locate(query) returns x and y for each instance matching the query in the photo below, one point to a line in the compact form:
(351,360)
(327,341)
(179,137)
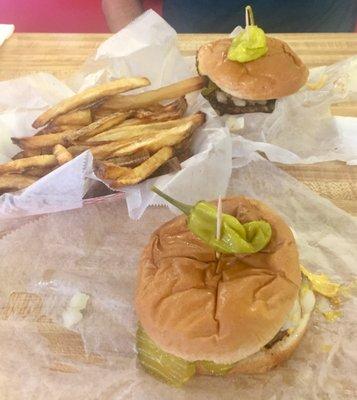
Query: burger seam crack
(216,305)
(256,291)
(288,53)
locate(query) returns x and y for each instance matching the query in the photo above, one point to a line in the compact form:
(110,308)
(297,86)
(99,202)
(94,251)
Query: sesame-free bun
(192,312)
(267,359)
(278,73)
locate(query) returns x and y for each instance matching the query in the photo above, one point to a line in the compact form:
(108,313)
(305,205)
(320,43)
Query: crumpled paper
(146,47)
(301,129)
(6,30)
(95,250)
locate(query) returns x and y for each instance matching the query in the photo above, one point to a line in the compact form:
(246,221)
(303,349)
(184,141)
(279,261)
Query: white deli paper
(6,30)
(95,250)
(146,47)
(301,128)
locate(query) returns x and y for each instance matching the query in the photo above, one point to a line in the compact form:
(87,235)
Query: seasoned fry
(97,127)
(89,96)
(153,96)
(123,176)
(62,154)
(42,141)
(76,118)
(16,166)
(131,160)
(131,132)
(12,182)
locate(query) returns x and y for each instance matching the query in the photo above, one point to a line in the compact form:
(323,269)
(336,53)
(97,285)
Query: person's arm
(119,13)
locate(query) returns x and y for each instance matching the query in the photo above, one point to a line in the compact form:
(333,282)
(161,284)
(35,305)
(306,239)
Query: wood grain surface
(63,54)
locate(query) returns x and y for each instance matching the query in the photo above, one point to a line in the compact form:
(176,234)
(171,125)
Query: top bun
(194,313)
(278,73)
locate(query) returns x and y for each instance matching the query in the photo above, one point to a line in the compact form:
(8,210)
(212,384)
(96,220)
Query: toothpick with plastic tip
(249,17)
(218,228)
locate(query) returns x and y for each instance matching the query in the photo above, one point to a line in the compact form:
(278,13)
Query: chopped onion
(79,301)
(71,317)
(234,124)
(239,102)
(221,97)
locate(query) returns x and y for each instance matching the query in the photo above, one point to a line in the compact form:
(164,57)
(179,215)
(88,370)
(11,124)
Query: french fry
(123,176)
(132,121)
(42,141)
(21,165)
(57,129)
(12,182)
(62,154)
(73,118)
(131,160)
(170,137)
(106,150)
(178,106)
(97,127)
(27,153)
(38,172)
(131,132)
(131,102)
(100,113)
(77,149)
(88,97)
(170,166)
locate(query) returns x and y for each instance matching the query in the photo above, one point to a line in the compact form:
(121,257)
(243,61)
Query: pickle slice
(171,369)
(211,368)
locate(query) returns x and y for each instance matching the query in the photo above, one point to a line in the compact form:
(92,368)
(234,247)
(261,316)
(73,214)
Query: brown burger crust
(280,72)
(194,313)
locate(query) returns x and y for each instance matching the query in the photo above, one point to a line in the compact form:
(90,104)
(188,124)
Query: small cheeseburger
(203,312)
(248,73)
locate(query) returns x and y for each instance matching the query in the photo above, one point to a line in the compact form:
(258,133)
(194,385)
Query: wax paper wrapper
(301,128)
(146,47)
(95,250)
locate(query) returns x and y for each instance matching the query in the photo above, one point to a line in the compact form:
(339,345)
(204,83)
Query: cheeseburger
(201,312)
(268,70)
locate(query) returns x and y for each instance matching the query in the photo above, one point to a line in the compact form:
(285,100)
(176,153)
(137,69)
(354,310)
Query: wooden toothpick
(249,17)
(218,228)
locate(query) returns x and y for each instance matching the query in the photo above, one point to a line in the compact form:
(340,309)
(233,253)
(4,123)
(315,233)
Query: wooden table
(62,54)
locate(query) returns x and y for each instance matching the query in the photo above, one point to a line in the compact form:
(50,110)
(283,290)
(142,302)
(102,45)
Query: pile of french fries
(131,136)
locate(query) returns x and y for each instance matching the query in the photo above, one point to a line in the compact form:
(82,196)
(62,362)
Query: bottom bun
(268,358)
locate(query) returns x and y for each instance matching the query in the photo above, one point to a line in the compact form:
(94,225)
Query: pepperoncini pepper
(235,237)
(249,44)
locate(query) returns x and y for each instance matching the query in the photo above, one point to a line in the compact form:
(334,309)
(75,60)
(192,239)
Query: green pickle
(211,87)
(211,368)
(248,45)
(171,369)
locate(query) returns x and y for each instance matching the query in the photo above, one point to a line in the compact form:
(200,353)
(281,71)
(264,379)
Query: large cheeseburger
(194,318)
(242,87)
